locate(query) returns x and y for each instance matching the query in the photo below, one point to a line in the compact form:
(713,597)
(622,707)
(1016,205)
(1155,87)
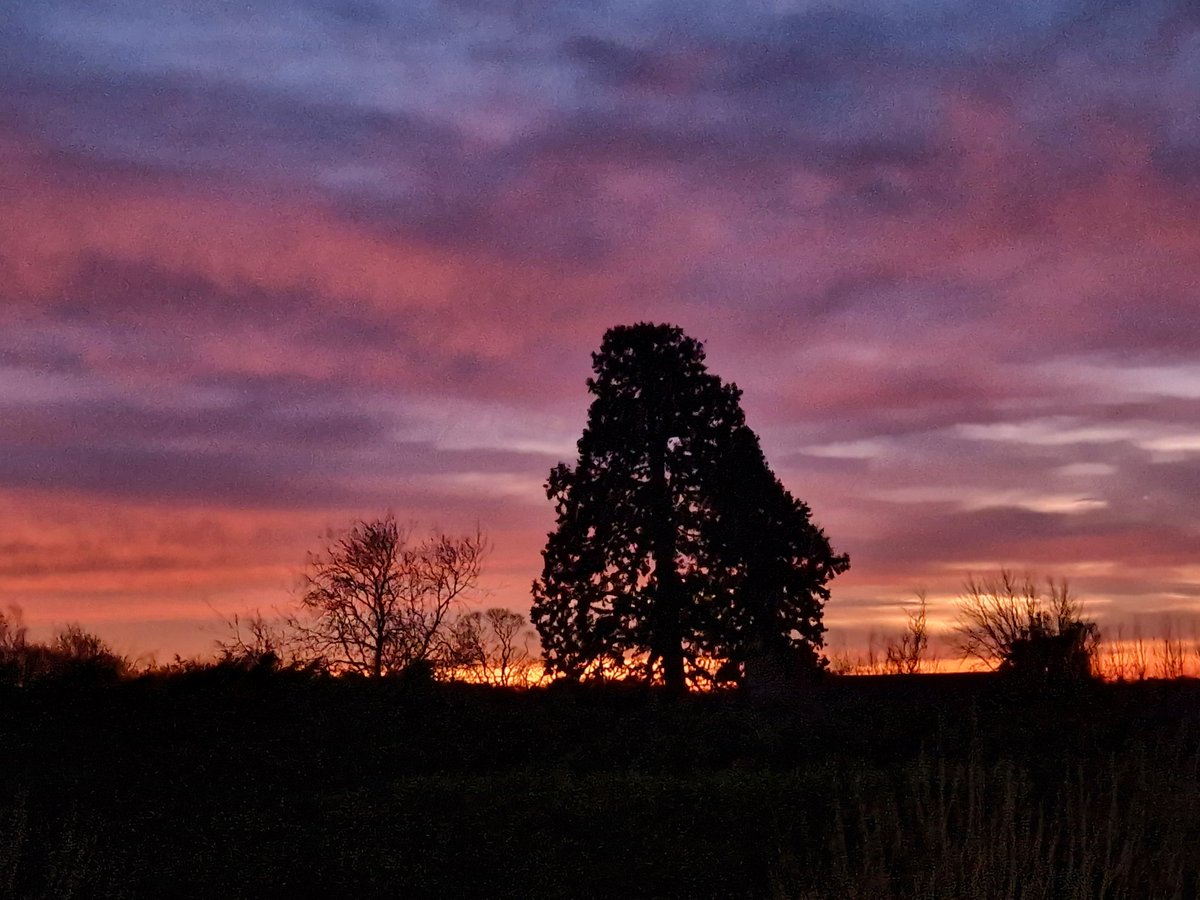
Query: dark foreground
(224,783)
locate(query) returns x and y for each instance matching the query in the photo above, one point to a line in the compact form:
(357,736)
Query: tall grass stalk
(57,860)
(943,829)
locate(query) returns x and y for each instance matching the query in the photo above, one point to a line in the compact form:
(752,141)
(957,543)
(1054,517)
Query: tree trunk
(667,639)
(671,632)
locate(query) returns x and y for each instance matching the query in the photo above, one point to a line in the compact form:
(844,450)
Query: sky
(267,267)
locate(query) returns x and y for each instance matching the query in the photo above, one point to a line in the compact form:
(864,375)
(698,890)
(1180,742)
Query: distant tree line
(1032,630)
(677,558)
(379,603)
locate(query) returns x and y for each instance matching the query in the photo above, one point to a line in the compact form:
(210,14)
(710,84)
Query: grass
(989,831)
(51,856)
(880,789)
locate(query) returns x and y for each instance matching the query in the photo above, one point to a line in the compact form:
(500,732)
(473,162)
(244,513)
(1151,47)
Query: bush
(1010,624)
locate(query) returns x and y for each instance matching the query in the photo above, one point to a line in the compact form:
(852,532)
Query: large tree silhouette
(675,544)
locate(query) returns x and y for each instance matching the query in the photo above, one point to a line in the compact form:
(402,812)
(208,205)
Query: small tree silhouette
(73,654)
(256,643)
(904,656)
(13,640)
(84,655)
(377,604)
(1009,624)
(492,647)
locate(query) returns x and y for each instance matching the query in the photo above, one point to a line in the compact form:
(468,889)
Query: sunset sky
(266,267)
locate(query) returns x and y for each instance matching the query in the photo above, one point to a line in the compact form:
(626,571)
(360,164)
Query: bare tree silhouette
(377,604)
(1007,622)
(906,654)
(493,647)
(256,642)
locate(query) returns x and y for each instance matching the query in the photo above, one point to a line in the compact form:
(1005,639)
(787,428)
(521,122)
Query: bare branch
(375,604)
(1006,622)
(904,657)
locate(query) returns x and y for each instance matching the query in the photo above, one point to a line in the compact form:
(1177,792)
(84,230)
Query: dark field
(225,783)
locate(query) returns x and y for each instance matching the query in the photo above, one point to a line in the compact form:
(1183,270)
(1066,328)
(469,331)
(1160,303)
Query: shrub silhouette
(1011,625)
(73,655)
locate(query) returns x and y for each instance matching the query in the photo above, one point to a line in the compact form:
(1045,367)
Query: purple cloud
(318,258)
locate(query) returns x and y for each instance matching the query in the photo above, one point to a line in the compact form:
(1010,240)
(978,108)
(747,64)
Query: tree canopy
(676,547)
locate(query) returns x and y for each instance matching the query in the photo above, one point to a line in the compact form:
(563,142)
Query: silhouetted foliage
(1008,623)
(905,655)
(377,604)
(13,636)
(676,547)
(82,654)
(73,654)
(492,648)
(258,643)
